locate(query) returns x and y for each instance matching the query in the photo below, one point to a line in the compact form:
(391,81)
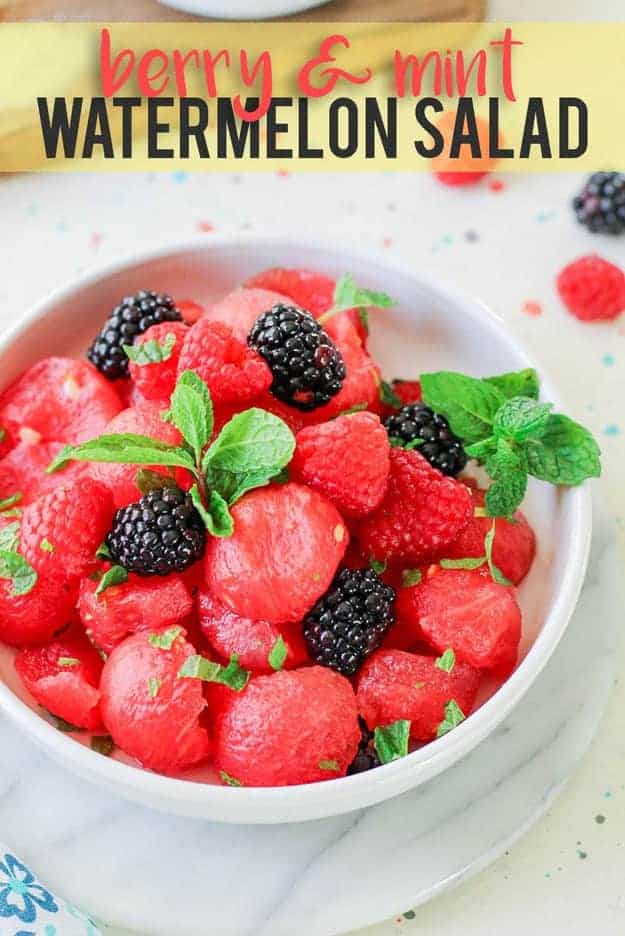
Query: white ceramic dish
(432,327)
(243,9)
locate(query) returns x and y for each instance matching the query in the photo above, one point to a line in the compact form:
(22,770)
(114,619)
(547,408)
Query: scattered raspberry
(252,641)
(240,309)
(156,381)
(62,530)
(233,372)
(346,459)
(514,545)
(33,618)
(291,727)
(23,471)
(393,685)
(64,676)
(136,605)
(463,609)
(286,547)
(422,512)
(591,288)
(152,713)
(145,419)
(59,400)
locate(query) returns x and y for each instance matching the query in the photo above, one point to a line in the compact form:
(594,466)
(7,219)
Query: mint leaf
(453,717)
(116,575)
(216,514)
(103,552)
(397,442)
(227,779)
(566,453)
(495,572)
(388,395)
(250,449)
(508,467)
(13,566)
(232,675)
(124,449)
(377,566)
(520,418)
(165,641)
(10,502)
(154,684)
(192,411)
(471,562)
(447,661)
(469,404)
(151,351)
(278,653)
(148,480)
(391,742)
(10,537)
(46,546)
(483,450)
(102,744)
(517,383)
(410,577)
(348,296)
(331,765)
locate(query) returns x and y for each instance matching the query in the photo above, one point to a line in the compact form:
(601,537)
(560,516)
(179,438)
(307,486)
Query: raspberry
(252,641)
(62,530)
(233,372)
(422,512)
(152,713)
(592,289)
(306,366)
(348,623)
(33,618)
(366,757)
(313,292)
(408,391)
(439,445)
(161,533)
(59,400)
(133,316)
(156,381)
(600,206)
(64,676)
(463,609)
(240,309)
(145,419)
(346,459)
(136,605)
(393,684)
(23,471)
(292,727)
(287,544)
(514,545)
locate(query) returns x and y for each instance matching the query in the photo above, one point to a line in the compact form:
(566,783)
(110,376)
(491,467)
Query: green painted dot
(409,915)
(582,854)
(599,819)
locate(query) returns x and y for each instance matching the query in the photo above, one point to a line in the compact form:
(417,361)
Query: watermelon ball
(151,712)
(466,610)
(240,309)
(136,605)
(35,616)
(295,726)
(23,471)
(63,676)
(252,641)
(393,684)
(287,544)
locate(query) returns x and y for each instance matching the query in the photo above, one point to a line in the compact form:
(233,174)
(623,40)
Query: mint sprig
(152,351)
(347,295)
(506,428)
(232,675)
(391,741)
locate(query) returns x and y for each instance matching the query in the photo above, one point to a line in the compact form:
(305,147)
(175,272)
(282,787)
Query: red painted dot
(95,240)
(496,185)
(388,242)
(283,174)
(530,307)
(205,227)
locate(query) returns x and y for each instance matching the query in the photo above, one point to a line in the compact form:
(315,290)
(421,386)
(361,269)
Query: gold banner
(323,96)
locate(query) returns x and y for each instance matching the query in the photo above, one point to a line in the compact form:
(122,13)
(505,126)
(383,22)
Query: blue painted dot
(612,430)
(608,360)
(180,176)
(61,226)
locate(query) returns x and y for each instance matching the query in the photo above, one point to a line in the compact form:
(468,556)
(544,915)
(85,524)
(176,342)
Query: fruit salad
(225,539)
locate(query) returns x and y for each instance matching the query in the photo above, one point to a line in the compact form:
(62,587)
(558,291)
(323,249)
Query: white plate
(432,327)
(243,9)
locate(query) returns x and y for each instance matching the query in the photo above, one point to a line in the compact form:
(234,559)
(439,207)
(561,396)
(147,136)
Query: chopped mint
(388,395)
(116,575)
(102,744)
(447,661)
(391,742)
(410,577)
(46,545)
(356,408)
(227,779)
(154,684)
(103,552)
(10,537)
(68,661)
(453,717)
(232,675)
(496,573)
(278,653)
(378,566)
(9,502)
(471,562)
(13,566)
(165,641)
(329,765)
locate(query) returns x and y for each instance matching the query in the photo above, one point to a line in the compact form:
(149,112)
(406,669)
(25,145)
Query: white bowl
(243,9)
(432,327)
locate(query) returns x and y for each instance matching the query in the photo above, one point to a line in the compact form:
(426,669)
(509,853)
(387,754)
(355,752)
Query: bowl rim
(391,778)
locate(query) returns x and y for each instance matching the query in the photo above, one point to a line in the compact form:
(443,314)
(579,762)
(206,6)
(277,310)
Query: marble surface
(504,244)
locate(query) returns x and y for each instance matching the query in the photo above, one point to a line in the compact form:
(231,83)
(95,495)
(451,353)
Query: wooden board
(150,10)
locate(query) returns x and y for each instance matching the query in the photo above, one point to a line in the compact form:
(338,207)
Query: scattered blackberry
(161,533)
(440,446)
(350,620)
(600,206)
(133,316)
(307,367)
(366,757)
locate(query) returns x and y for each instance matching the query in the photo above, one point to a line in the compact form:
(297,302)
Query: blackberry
(366,757)
(307,367)
(439,445)
(348,623)
(600,206)
(161,533)
(133,316)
